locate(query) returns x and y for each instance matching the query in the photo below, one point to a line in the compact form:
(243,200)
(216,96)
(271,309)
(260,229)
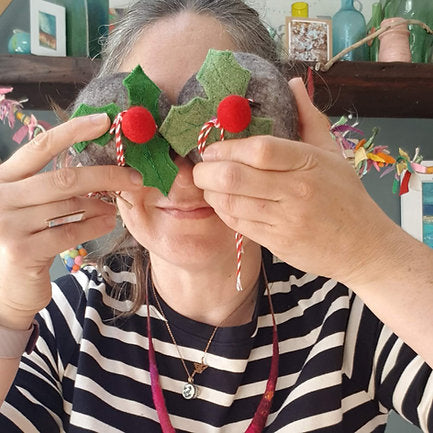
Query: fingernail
(97,117)
(210,154)
(136,178)
(296,81)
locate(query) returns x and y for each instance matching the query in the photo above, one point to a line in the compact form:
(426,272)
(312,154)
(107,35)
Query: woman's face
(181,228)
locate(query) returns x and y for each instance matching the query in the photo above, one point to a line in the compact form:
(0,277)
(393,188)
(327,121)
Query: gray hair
(241,22)
(248,34)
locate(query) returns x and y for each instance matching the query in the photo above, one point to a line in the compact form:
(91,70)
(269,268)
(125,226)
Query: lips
(189,211)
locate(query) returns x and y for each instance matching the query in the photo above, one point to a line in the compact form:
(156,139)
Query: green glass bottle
(372,26)
(420,41)
(385,6)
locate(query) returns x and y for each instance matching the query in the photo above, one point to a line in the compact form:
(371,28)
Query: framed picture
(4,4)
(47,28)
(309,39)
(417,207)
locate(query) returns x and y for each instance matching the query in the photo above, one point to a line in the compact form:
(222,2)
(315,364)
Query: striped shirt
(340,368)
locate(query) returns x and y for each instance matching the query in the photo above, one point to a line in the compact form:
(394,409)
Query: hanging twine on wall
(325,67)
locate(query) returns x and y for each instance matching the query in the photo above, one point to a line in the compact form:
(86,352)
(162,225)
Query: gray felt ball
(103,91)
(267,88)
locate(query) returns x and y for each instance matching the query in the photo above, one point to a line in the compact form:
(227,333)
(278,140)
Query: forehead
(174,48)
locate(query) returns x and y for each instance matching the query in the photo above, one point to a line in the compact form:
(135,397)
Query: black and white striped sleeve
(38,398)
(381,364)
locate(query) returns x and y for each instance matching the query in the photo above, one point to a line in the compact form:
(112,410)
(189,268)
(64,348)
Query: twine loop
(115,129)
(201,145)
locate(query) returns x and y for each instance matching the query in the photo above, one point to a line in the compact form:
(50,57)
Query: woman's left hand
(301,200)
(304,202)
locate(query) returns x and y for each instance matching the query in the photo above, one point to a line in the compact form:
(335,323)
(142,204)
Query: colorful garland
(364,155)
(10,110)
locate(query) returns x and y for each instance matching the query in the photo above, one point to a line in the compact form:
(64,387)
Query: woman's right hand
(29,198)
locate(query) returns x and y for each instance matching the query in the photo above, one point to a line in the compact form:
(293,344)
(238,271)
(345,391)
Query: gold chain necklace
(261,414)
(190,389)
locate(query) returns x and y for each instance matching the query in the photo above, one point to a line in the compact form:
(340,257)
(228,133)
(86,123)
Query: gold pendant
(189,391)
(199,367)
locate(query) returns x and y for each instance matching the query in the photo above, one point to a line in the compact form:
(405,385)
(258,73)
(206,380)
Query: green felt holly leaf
(220,76)
(84,110)
(184,122)
(152,160)
(143,91)
(260,126)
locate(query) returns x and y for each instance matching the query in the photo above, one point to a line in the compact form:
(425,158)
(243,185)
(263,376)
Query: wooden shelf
(45,79)
(363,88)
(373,89)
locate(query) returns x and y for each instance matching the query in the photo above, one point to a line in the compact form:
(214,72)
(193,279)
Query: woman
(340,368)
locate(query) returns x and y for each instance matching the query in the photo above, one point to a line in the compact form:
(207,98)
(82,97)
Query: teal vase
(420,41)
(372,26)
(348,27)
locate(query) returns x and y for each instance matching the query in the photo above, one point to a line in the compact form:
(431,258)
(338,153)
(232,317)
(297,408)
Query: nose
(184,177)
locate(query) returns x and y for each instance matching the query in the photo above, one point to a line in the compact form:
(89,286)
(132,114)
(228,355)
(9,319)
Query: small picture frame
(47,28)
(4,4)
(417,207)
(309,39)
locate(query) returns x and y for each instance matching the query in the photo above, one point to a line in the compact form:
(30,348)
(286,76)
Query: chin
(187,249)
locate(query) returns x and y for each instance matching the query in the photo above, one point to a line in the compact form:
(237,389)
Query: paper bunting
(365,155)
(10,110)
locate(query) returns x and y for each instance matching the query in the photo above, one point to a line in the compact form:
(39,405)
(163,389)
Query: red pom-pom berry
(138,125)
(234,113)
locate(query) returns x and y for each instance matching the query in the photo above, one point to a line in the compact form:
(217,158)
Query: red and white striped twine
(205,131)
(115,129)
(239,250)
(120,152)
(201,144)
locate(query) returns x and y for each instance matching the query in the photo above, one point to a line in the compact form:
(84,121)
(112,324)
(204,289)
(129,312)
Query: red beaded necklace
(262,412)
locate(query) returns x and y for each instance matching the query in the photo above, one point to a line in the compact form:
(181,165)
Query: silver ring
(72,217)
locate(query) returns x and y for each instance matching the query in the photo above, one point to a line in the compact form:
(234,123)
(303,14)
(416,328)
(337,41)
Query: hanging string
(239,250)
(201,144)
(116,130)
(205,131)
(120,156)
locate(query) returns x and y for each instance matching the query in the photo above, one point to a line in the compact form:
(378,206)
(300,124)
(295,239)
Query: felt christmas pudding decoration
(136,107)
(233,95)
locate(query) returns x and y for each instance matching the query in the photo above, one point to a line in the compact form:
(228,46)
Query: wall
(274,11)
(406,133)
